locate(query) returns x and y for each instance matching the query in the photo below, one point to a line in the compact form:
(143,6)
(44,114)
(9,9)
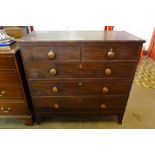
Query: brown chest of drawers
(14,96)
(86,73)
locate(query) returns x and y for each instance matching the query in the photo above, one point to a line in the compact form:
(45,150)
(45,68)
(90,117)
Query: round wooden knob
(9,108)
(56,106)
(111,54)
(2,93)
(80,66)
(108,71)
(51,55)
(80,83)
(105,90)
(102,106)
(53,72)
(2,108)
(55,89)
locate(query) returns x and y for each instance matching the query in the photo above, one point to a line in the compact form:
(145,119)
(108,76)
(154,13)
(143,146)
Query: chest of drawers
(14,96)
(82,74)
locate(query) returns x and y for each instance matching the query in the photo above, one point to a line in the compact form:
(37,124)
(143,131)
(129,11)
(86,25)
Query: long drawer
(13,109)
(10,92)
(108,69)
(81,87)
(65,104)
(50,52)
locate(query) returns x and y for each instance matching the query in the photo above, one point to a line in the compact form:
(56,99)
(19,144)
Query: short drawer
(7,62)
(9,78)
(81,87)
(10,92)
(51,53)
(112,69)
(111,52)
(13,109)
(66,104)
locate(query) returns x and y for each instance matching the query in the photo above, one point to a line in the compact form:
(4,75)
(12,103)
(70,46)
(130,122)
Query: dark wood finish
(80,87)
(80,116)
(100,52)
(80,104)
(12,77)
(27,121)
(87,74)
(7,62)
(41,70)
(120,117)
(13,94)
(37,53)
(15,109)
(79,37)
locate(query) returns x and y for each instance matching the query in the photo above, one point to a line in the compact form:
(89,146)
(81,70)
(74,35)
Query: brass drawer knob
(108,71)
(6,110)
(111,54)
(80,83)
(102,106)
(2,93)
(55,89)
(56,106)
(105,90)
(53,72)
(51,55)
(80,66)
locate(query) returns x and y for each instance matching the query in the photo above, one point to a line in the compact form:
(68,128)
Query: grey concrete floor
(140,113)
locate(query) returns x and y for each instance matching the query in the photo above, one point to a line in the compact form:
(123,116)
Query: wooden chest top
(79,36)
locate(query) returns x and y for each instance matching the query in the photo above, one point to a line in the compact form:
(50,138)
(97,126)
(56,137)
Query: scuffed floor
(140,111)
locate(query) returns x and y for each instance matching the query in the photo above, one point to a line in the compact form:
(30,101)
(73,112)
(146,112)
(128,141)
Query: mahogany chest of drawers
(82,74)
(14,97)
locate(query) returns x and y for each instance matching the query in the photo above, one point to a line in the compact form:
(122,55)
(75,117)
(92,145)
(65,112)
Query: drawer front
(111,52)
(10,92)
(12,109)
(7,62)
(9,78)
(62,104)
(80,87)
(51,53)
(113,69)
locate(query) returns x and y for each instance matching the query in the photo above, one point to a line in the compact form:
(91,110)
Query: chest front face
(86,77)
